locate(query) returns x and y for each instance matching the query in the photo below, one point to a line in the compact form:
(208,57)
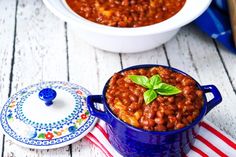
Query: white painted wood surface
(7,22)
(37,46)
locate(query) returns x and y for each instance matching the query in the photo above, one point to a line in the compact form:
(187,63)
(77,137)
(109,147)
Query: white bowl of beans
(127,26)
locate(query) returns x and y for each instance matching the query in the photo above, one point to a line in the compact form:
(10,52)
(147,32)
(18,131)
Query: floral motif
(83,116)
(49,135)
(72,129)
(79,121)
(9,116)
(12,104)
(87,112)
(58,133)
(79,92)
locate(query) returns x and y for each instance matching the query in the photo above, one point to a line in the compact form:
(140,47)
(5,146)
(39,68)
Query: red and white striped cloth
(209,142)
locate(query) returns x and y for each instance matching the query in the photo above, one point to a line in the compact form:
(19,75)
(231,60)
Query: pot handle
(217,98)
(91,100)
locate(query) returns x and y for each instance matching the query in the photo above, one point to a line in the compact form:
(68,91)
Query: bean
(199,93)
(125,3)
(148,122)
(125,95)
(122,24)
(140,100)
(170,125)
(154,106)
(160,99)
(188,102)
(179,78)
(150,114)
(134,106)
(168,112)
(137,92)
(125,99)
(131,87)
(179,116)
(133,98)
(172,119)
(190,118)
(126,85)
(180,105)
(162,109)
(187,90)
(113,80)
(185,121)
(160,114)
(151,122)
(154,70)
(172,107)
(142,89)
(198,106)
(132,2)
(144,122)
(159,121)
(179,126)
(142,72)
(187,82)
(171,99)
(190,108)
(160,128)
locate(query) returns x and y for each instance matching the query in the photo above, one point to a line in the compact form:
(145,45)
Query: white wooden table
(37,46)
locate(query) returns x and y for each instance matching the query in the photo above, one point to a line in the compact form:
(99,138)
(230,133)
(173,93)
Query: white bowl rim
(190,11)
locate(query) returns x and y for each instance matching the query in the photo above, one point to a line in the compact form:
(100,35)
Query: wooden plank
(196,54)
(90,68)
(7,23)
(155,56)
(229,60)
(40,53)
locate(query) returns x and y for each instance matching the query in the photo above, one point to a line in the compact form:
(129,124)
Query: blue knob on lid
(47,95)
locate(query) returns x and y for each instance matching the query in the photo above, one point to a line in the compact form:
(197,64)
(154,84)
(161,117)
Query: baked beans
(125,99)
(126,13)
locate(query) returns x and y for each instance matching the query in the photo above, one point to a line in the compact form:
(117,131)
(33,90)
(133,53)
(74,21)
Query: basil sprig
(155,86)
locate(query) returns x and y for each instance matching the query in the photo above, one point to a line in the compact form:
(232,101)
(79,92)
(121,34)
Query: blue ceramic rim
(191,125)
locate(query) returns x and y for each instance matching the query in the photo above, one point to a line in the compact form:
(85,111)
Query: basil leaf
(149,96)
(155,80)
(148,85)
(166,89)
(140,80)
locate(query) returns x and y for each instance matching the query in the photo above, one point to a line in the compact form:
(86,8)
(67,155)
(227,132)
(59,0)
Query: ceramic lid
(47,115)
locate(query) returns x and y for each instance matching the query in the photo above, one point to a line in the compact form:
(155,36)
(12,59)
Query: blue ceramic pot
(133,142)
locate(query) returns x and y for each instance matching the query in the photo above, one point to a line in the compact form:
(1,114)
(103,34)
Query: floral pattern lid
(47,115)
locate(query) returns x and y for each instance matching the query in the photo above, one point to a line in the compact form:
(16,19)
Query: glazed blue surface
(131,141)
(48,95)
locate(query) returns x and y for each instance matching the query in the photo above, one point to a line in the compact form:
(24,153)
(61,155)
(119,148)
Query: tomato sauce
(126,13)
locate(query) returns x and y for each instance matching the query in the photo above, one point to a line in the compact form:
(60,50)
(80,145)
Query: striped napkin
(209,142)
(215,21)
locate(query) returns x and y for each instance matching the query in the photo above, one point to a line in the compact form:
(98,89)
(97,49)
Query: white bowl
(128,40)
